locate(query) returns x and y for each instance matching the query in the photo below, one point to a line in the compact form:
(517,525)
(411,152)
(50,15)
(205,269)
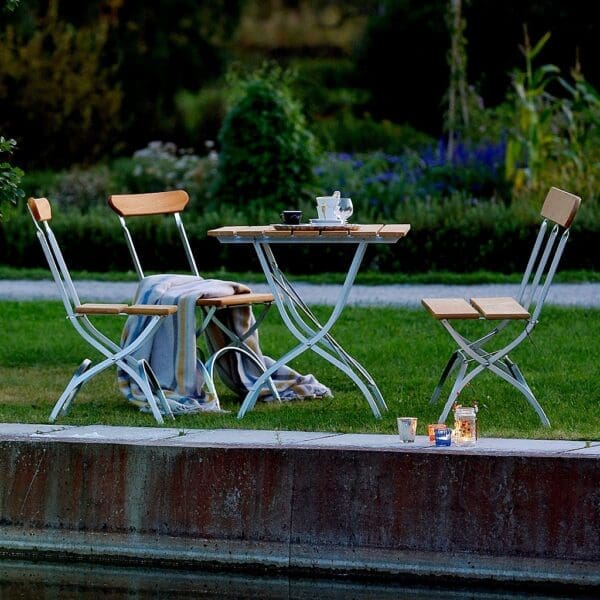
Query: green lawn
(405,350)
(367,277)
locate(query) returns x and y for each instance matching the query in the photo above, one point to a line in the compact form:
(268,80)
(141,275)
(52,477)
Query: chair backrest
(41,213)
(559,208)
(159,203)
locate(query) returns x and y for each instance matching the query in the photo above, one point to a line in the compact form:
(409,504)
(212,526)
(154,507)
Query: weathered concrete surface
(509,510)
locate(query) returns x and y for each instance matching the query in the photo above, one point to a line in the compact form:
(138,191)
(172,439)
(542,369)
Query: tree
(55,92)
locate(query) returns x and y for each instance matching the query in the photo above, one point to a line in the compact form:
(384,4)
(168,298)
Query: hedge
(94,242)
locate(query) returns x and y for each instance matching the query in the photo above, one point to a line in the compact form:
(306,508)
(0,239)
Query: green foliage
(400,60)
(202,113)
(10,5)
(450,234)
(530,143)
(163,166)
(10,178)
(554,140)
(267,151)
(82,189)
(177,45)
(326,87)
(55,92)
(346,133)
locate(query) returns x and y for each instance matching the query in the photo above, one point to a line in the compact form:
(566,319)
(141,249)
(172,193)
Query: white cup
(328,208)
(407,428)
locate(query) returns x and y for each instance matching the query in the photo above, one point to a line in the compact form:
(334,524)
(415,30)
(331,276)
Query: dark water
(23,580)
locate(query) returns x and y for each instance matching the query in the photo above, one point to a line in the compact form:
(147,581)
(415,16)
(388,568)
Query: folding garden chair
(172,203)
(78,315)
(558,212)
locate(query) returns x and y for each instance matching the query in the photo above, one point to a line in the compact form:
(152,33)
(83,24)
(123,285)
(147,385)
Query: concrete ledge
(511,511)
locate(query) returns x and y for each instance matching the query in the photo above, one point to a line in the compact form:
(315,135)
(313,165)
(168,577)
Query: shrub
(347,133)
(380,182)
(447,234)
(267,152)
(82,189)
(202,113)
(10,178)
(163,166)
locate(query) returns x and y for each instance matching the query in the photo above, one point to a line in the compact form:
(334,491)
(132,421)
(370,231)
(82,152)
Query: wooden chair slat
(500,308)
(560,206)
(139,205)
(90,308)
(450,308)
(40,208)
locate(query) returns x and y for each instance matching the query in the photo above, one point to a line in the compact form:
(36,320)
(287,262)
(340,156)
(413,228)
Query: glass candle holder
(431,429)
(465,425)
(443,437)
(407,428)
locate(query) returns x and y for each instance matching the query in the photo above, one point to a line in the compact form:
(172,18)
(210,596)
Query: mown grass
(366,277)
(405,350)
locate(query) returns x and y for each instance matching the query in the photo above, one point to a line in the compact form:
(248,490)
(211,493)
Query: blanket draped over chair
(172,351)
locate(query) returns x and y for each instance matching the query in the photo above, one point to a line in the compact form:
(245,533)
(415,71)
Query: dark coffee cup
(291,217)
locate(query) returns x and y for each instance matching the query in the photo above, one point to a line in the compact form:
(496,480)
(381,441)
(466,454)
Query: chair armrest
(123,309)
(100,309)
(236,300)
(151,309)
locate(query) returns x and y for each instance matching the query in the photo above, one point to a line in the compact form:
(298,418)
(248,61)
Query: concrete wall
(369,511)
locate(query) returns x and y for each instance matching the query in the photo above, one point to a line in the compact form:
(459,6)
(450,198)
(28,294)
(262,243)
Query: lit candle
(465,425)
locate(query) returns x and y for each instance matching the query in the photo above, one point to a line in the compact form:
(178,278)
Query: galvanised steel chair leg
(450,367)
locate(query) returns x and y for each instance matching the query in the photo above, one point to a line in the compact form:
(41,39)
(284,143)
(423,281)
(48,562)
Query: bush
(449,234)
(55,92)
(82,189)
(347,133)
(380,182)
(267,152)
(161,166)
(202,113)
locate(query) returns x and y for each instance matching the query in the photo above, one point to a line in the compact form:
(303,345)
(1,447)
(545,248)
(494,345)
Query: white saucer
(327,222)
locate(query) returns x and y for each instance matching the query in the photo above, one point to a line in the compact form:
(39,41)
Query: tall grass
(405,350)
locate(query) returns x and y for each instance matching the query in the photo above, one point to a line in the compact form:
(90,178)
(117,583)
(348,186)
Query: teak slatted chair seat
(173,203)
(77,314)
(558,212)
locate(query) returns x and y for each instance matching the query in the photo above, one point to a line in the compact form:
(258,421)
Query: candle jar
(443,437)
(432,428)
(465,425)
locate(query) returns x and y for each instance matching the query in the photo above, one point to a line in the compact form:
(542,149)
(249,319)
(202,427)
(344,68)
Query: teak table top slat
(363,232)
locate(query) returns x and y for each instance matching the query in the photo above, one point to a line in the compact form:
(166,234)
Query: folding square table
(296,315)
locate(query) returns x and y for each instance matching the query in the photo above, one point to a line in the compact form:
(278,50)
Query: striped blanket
(172,351)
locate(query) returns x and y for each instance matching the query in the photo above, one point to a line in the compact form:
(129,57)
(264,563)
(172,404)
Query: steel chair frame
(535,285)
(209,307)
(77,314)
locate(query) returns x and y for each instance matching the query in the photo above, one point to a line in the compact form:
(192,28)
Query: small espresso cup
(291,217)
